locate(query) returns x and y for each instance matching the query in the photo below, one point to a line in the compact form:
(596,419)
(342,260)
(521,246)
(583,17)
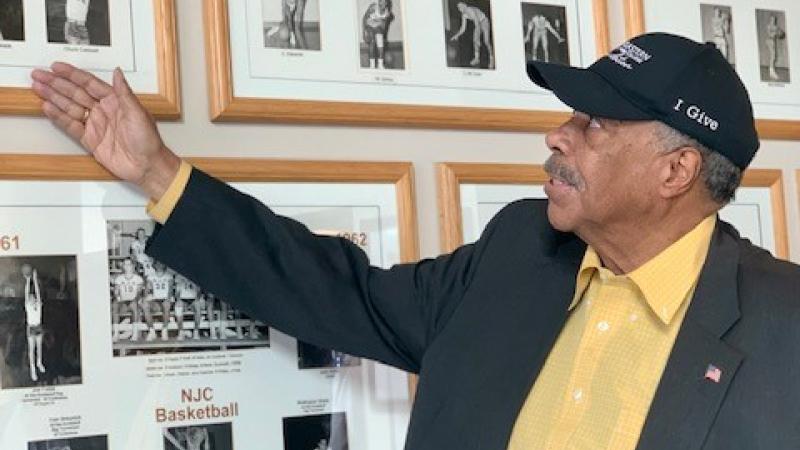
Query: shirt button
(577,394)
(603,326)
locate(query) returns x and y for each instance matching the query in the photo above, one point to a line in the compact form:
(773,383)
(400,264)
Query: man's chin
(559,218)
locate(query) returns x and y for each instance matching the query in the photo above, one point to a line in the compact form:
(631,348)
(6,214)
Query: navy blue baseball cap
(659,76)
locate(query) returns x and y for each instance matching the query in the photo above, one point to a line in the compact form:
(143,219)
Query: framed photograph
(755,37)
(99,309)
(100,35)
(458,64)
(471,194)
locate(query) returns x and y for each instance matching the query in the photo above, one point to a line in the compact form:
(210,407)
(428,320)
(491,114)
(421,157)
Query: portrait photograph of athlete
(291,24)
(468,29)
(75,443)
(199,437)
(545,31)
(774,45)
(78,22)
(12,20)
(618,313)
(718,28)
(39,324)
(381,43)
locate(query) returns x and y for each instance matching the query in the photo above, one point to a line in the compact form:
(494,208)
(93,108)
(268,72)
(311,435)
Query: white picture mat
(334,73)
(133,47)
(751,212)
(770,100)
(375,397)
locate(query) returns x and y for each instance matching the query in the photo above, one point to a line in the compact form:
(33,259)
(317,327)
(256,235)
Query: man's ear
(679,171)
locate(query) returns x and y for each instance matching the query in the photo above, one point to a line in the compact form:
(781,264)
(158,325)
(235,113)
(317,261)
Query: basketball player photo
(12,20)
(291,24)
(317,432)
(77,443)
(78,22)
(544,31)
(773,45)
(468,30)
(717,23)
(156,310)
(39,323)
(199,437)
(381,34)
(312,357)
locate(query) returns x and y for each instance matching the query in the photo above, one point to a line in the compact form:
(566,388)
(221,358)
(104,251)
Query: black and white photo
(39,323)
(199,437)
(291,24)
(310,356)
(544,30)
(155,310)
(78,22)
(773,46)
(381,43)
(12,20)
(75,443)
(317,432)
(469,34)
(718,29)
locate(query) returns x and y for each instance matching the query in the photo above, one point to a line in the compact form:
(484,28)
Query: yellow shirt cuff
(162,209)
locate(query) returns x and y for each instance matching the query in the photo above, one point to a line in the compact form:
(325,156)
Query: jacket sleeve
(319,289)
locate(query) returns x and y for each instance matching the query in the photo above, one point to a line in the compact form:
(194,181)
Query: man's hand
(110,123)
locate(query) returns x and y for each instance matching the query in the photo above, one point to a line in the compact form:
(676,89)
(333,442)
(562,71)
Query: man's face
(140,234)
(26,270)
(159,267)
(603,172)
(382,4)
(127,267)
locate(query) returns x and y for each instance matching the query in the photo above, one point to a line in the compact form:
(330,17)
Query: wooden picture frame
(165,104)
(767,128)
(19,167)
(224,105)
(453,175)
(84,168)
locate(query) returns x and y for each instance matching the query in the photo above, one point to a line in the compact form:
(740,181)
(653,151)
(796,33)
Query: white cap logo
(627,52)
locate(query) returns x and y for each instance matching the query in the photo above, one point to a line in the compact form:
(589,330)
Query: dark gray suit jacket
(478,324)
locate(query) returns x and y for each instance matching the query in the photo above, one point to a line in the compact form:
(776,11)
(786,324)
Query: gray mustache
(557,169)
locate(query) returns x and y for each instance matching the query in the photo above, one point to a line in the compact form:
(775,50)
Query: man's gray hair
(720,176)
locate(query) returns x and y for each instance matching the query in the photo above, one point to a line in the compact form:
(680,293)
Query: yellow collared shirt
(598,381)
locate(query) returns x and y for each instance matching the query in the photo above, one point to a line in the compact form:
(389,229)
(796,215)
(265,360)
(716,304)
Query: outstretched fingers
(94,86)
(74,128)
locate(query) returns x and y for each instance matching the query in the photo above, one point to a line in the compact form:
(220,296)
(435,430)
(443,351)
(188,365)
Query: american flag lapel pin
(713,373)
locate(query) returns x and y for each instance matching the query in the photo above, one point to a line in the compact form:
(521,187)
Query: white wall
(194,135)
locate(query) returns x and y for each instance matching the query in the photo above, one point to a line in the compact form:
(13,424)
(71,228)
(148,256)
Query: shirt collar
(666,279)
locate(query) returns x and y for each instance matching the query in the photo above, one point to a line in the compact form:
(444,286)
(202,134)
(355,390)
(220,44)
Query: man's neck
(624,248)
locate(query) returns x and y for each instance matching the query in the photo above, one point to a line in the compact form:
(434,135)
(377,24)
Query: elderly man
(620,314)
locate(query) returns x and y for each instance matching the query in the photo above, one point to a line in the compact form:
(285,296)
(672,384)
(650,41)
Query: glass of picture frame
(446,63)
(98,35)
(755,37)
(104,378)
(471,194)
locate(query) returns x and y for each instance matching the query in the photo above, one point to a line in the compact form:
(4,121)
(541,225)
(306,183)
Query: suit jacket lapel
(686,402)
